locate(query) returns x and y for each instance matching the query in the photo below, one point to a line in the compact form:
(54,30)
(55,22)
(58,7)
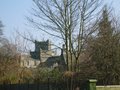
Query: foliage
(45,75)
(104,54)
(11,78)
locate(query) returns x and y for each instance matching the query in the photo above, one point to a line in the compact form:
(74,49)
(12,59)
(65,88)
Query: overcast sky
(13,12)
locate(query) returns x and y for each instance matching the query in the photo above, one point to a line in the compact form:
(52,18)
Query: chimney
(63,49)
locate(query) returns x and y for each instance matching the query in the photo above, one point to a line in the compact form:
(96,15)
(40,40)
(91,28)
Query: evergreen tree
(103,54)
(106,52)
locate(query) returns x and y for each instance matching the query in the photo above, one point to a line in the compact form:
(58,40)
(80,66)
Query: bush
(43,75)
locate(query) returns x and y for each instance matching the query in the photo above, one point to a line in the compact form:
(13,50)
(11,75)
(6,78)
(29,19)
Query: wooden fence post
(92,84)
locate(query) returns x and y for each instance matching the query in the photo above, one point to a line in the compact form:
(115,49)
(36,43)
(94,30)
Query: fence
(23,87)
(67,85)
(81,85)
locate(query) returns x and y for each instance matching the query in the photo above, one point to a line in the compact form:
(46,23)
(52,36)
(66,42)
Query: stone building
(28,62)
(42,51)
(43,56)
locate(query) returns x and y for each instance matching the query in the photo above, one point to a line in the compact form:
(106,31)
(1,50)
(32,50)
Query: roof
(53,60)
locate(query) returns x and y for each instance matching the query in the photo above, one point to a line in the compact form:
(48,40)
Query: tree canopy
(104,53)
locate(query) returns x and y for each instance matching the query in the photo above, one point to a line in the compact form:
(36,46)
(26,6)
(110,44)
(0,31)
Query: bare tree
(1,26)
(67,20)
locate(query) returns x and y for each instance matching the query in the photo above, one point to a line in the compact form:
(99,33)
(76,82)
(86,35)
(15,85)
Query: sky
(13,12)
(12,15)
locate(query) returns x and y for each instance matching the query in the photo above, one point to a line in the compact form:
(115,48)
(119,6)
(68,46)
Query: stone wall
(110,87)
(92,86)
(28,62)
